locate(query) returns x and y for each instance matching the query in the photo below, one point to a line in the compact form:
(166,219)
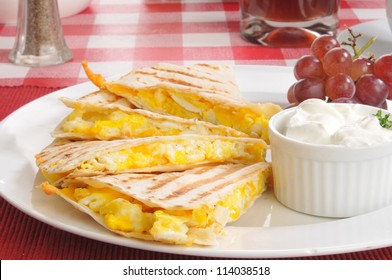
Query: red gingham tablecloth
(116,36)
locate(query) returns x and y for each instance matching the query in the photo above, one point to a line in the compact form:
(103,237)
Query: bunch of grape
(331,73)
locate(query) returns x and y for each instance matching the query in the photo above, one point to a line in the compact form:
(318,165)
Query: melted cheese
(177,153)
(242,117)
(116,124)
(53,177)
(109,125)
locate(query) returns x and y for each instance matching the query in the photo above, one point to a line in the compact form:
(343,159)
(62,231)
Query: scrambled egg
(107,125)
(115,124)
(251,119)
(178,153)
(123,213)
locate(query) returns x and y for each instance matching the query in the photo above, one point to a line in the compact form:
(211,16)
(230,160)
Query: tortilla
(149,154)
(205,92)
(189,207)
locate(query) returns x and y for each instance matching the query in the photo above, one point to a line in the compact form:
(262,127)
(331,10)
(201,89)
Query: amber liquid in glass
(288,23)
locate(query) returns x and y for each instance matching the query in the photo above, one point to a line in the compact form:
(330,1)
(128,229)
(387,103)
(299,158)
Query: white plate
(378,28)
(267,230)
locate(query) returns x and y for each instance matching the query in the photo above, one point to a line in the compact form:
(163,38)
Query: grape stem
(352,42)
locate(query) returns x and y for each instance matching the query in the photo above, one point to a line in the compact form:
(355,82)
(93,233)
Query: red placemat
(23,237)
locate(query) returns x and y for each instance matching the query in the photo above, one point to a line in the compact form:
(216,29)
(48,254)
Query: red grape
(371,90)
(330,73)
(291,95)
(389,85)
(383,105)
(322,45)
(308,66)
(352,100)
(337,60)
(360,67)
(340,85)
(383,68)
(309,88)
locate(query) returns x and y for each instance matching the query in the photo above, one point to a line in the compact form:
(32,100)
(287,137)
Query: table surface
(116,36)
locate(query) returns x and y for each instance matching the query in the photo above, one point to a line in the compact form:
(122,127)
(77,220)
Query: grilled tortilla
(105,116)
(204,92)
(189,207)
(149,154)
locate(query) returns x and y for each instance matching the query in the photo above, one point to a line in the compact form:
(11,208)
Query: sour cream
(318,122)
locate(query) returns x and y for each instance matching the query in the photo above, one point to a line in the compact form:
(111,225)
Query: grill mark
(125,181)
(215,189)
(128,179)
(49,156)
(76,154)
(163,181)
(213,67)
(97,98)
(172,177)
(170,80)
(60,152)
(177,81)
(187,74)
(180,82)
(201,169)
(187,188)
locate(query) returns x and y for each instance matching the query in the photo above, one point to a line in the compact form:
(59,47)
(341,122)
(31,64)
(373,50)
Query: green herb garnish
(384,120)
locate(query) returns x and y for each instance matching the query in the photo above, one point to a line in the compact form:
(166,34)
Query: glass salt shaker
(39,37)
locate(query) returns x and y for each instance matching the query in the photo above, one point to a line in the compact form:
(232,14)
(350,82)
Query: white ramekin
(326,180)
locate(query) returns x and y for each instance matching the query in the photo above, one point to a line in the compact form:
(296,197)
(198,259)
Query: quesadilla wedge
(105,116)
(204,92)
(189,207)
(149,154)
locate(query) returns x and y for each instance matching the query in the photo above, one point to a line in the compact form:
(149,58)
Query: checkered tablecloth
(118,35)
